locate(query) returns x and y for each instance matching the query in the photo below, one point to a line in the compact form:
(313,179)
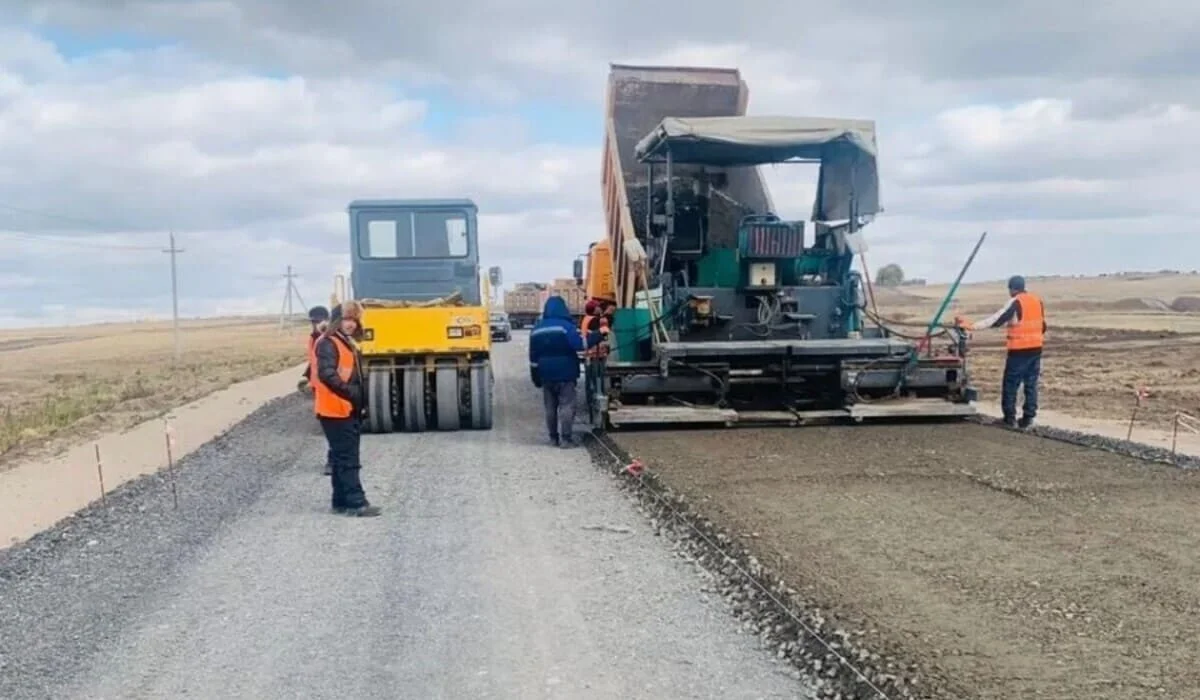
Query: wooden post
(1138,395)
(171,463)
(1174,436)
(100,474)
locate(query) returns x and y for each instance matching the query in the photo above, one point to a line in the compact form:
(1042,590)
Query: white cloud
(251,173)
(1072,147)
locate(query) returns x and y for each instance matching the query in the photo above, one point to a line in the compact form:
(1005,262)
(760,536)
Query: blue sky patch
(548,121)
(75,45)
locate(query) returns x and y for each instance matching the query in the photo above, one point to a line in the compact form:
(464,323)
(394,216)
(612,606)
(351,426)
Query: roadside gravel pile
(68,592)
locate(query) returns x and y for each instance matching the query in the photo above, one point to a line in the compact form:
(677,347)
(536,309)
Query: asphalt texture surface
(501,567)
(981,562)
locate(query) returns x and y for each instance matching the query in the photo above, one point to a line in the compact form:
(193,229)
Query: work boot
(554,441)
(1025,423)
(1010,422)
(364,511)
(568,443)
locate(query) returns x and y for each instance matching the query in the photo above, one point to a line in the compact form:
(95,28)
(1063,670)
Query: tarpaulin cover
(454,299)
(845,148)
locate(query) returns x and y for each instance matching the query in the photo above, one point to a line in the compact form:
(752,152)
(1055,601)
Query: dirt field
(1108,336)
(60,386)
(1003,565)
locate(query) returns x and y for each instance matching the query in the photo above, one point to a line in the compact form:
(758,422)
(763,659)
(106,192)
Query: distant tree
(891,275)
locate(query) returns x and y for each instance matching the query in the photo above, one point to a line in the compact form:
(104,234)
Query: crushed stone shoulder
(500,568)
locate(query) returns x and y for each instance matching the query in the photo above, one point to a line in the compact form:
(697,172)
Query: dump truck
(725,313)
(426,344)
(594,273)
(523,303)
(573,293)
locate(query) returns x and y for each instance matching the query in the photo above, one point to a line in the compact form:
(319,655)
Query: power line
(66,217)
(291,291)
(75,242)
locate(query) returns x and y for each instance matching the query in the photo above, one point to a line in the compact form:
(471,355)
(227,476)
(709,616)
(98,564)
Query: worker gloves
(303,386)
(533,375)
(960,322)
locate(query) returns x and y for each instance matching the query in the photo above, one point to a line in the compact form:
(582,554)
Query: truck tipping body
(639,97)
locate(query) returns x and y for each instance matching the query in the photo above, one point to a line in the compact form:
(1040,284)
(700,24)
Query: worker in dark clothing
(555,345)
(338,402)
(594,321)
(1024,317)
(318,316)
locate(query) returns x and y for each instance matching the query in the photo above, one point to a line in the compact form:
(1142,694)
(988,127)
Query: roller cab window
(413,234)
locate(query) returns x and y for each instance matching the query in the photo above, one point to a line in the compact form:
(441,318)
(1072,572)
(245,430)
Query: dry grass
(60,386)
(1108,336)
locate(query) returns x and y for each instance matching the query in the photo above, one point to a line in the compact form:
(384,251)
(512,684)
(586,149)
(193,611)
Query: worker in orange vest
(595,320)
(318,316)
(1024,316)
(338,403)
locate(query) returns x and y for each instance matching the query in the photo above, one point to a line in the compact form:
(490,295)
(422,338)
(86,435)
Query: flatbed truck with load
(426,342)
(523,304)
(573,293)
(724,313)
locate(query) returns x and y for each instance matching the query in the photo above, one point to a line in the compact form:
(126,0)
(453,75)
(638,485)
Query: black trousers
(343,436)
(1021,368)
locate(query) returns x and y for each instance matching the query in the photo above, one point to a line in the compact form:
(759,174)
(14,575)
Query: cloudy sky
(245,126)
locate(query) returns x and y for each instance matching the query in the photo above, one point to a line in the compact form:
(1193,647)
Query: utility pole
(173,251)
(285,313)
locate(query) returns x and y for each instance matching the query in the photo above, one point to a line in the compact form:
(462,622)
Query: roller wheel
(481,396)
(413,405)
(379,401)
(446,381)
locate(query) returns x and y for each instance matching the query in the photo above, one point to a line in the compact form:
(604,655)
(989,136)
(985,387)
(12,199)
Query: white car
(501,330)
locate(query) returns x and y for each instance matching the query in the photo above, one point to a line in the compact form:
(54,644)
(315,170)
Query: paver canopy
(844,148)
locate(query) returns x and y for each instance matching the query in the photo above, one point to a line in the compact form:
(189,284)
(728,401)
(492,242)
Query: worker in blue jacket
(555,345)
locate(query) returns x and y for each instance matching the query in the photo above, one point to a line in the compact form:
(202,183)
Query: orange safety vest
(327,404)
(585,326)
(1026,333)
(312,357)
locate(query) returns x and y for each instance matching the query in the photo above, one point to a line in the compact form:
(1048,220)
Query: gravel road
(500,568)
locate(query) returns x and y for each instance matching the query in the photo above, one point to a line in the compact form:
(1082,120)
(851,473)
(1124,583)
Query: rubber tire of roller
(371,388)
(379,401)
(447,399)
(481,396)
(413,404)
